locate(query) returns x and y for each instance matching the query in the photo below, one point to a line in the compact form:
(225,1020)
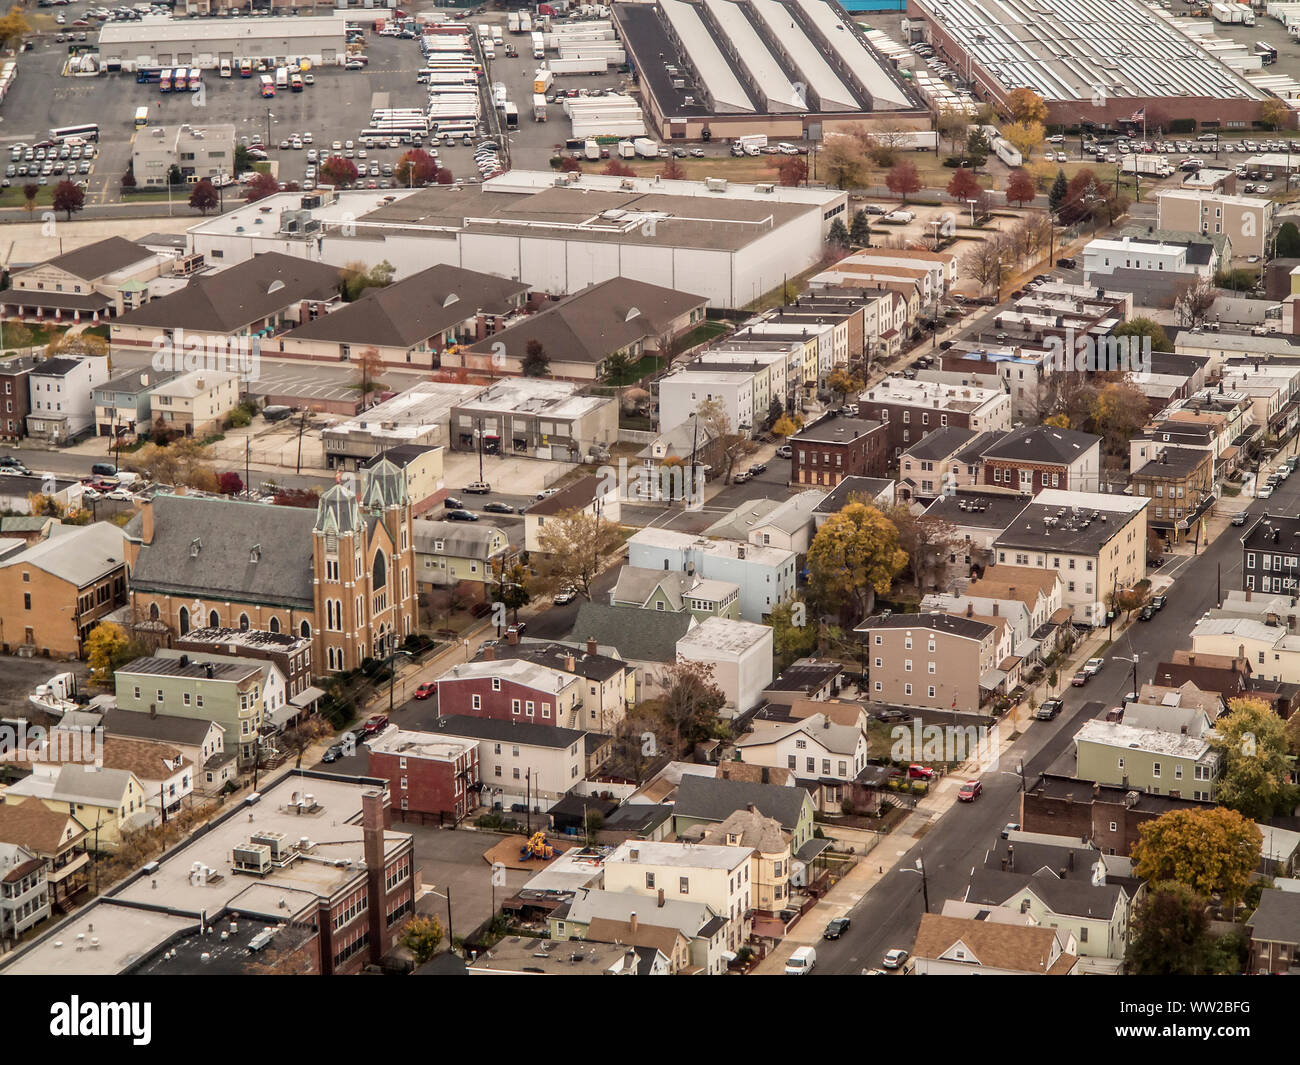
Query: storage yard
(1099,61)
(728,68)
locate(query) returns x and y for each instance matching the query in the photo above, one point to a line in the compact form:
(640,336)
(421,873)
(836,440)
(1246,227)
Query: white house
(60,395)
(682,392)
(815,749)
(740,653)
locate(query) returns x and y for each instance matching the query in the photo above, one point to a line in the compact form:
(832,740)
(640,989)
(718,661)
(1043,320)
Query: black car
(1146,613)
(461,515)
(893,715)
(836,928)
(452,503)
(1159,601)
(757,468)
(1065,264)
(333,754)
(1049,709)
(498,508)
(11,463)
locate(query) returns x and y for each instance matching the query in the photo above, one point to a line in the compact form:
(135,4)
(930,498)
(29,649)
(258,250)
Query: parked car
(920,772)
(103,469)
(565,595)
(757,468)
(836,928)
(461,515)
(517,628)
(741,477)
(893,715)
(546,493)
(1080,679)
(496,507)
(11,463)
(333,754)
(480,488)
(894,959)
(425,690)
(374,724)
(970,791)
(1239,518)
(452,503)
(1049,709)
(1146,613)
(785,451)
(1094,666)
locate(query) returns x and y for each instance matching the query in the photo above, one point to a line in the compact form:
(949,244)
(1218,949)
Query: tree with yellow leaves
(106,648)
(1025,137)
(853,558)
(786,425)
(1209,851)
(1252,743)
(1060,420)
(1025,105)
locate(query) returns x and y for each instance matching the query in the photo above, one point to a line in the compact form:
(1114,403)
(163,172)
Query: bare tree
(983,262)
(1194,301)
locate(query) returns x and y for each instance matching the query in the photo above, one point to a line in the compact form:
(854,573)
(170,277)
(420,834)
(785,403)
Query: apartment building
(195,403)
(1164,752)
(511,690)
(1095,542)
(1248,220)
(1043,456)
(15,395)
(834,448)
(60,407)
(1180,483)
(934,660)
(913,409)
(433,778)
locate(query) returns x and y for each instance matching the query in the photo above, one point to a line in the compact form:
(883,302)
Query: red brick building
(835,448)
(431,778)
(509,690)
(14,401)
(1043,456)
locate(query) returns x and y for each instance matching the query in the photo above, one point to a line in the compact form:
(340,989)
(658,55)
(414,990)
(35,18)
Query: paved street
(888,916)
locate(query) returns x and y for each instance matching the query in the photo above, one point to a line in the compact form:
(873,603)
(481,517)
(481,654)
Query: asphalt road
(889,915)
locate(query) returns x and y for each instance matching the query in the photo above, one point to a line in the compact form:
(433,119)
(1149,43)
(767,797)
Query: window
(684,885)
(1155,770)
(477,702)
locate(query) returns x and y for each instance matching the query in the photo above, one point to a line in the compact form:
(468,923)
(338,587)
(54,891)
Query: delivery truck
(626,150)
(646,148)
(543,80)
(539,107)
(539,45)
(1146,165)
(591,149)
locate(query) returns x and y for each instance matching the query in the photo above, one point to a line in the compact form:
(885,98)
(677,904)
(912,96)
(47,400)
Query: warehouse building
(1106,62)
(163,42)
(794,69)
(559,234)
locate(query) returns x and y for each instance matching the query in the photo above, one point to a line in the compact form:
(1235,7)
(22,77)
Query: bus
(196,79)
(147,75)
(268,85)
(165,81)
(180,82)
(295,81)
(141,117)
(245,68)
(87,132)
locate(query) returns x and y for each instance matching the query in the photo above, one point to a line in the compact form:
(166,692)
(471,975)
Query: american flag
(1140,115)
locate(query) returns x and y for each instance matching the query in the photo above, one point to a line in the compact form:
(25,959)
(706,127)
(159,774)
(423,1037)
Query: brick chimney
(569,663)
(489,654)
(512,637)
(632,922)
(146,522)
(661,898)
(373,822)
(592,645)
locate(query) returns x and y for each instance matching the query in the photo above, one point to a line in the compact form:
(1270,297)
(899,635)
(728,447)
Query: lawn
(703,332)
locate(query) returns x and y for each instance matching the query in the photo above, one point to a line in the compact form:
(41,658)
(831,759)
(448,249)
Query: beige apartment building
(1247,220)
(935,660)
(196,403)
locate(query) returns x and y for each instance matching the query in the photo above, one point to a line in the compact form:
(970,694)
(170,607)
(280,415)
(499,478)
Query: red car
(970,791)
(375,723)
(920,772)
(425,690)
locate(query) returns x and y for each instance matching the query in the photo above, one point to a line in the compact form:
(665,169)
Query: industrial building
(728,244)
(162,42)
(792,69)
(1105,62)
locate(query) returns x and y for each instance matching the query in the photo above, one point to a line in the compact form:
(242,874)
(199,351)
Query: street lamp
(392,673)
(925,884)
(478,441)
(972,203)
(269,116)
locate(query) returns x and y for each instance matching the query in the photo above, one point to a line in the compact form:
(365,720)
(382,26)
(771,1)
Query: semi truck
(512,22)
(579,65)
(539,45)
(1147,165)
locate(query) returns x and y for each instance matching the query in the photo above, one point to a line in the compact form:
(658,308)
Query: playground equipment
(537,847)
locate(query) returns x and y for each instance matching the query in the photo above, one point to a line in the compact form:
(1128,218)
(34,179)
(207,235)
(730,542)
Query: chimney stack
(569,663)
(373,822)
(631,921)
(661,898)
(489,654)
(592,645)
(512,637)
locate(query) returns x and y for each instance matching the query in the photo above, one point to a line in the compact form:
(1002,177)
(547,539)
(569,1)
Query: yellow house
(196,402)
(109,802)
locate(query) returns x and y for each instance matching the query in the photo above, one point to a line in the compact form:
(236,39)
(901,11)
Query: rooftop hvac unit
(261,939)
(251,858)
(281,847)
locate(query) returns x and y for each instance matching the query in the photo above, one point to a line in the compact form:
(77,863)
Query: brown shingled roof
(33,825)
(1020,948)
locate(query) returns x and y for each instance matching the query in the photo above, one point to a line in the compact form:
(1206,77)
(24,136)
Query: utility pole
(302,425)
(528,797)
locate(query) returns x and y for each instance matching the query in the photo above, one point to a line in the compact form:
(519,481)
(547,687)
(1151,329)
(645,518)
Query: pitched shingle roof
(639,635)
(219,566)
(228,301)
(168,728)
(1043,443)
(1020,948)
(1277,919)
(410,311)
(37,827)
(710,799)
(79,557)
(101,258)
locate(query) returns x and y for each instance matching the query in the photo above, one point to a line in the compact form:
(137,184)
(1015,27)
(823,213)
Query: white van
(801,962)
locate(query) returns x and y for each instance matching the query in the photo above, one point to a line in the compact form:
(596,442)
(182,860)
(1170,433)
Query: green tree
(421,937)
(618,367)
(1207,850)
(838,235)
(854,557)
(1169,933)
(1060,188)
(536,362)
(355,278)
(978,148)
(1288,241)
(860,231)
(794,633)
(1145,327)
(511,588)
(1252,743)
(107,648)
